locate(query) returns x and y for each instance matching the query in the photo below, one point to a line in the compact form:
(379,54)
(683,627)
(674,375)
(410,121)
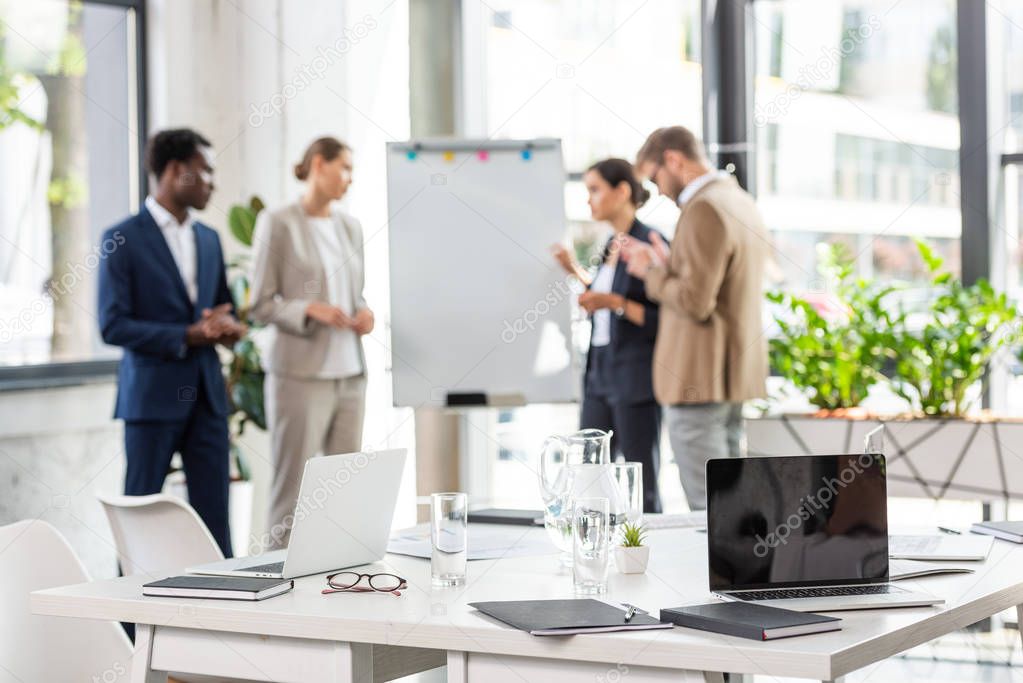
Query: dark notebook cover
(746,620)
(505,516)
(239,584)
(550,617)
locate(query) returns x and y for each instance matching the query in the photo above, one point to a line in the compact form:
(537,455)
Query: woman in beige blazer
(307,284)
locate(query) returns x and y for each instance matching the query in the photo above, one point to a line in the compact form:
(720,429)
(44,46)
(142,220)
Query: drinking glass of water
(591,540)
(629,476)
(449,533)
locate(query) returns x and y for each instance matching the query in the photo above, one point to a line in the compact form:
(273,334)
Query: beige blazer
(710,343)
(287,274)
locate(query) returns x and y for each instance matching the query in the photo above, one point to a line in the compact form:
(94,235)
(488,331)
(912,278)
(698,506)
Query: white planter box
(927,457)
(632,560)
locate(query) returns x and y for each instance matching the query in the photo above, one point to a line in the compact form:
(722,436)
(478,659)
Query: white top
(443,620)
(181,241)
(601,335)
(335,251)
(696,183)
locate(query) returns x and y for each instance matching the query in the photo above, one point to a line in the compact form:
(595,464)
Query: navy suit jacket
(632,346)
(144,308)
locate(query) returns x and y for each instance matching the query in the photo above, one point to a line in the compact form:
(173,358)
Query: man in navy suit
(163,298)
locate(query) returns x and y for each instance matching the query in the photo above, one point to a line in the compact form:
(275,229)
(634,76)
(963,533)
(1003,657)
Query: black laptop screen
(796,521)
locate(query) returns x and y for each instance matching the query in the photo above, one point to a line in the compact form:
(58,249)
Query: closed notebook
(565,617)
(1007,531)
(221,587)
(749,620)
(505,516)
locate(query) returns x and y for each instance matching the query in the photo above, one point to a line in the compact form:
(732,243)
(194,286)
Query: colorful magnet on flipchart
(449,156)
(411,154)
(527,154)
(483,155)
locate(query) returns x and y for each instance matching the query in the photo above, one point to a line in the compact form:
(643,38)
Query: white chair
(158,534)
(34,556)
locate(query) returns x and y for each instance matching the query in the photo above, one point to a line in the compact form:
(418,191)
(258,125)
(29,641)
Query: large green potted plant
(834,348)
(947,349)
(934,354)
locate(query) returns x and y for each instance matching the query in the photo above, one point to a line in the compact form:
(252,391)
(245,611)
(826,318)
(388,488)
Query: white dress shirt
(696,183)
(601,335)
(181,242)
(335,251)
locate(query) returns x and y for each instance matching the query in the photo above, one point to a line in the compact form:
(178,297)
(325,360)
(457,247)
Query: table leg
(142,659)
(1019,619)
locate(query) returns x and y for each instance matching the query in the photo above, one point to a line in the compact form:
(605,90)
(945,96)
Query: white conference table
(305,636)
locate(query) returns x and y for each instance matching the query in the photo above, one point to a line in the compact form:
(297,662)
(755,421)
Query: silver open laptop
(342,518)
(807,532)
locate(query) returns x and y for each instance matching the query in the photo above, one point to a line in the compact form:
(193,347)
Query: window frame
(47,375)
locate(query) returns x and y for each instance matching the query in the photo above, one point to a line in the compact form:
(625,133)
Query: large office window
(857,132)
(69,132)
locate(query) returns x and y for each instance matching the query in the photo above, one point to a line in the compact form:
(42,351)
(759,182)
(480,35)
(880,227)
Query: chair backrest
(158,533)
(34,556)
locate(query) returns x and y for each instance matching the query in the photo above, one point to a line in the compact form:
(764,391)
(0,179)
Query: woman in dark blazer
(618,388)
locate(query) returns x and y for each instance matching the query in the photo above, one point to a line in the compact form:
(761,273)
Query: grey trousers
(699,432)
(307,417)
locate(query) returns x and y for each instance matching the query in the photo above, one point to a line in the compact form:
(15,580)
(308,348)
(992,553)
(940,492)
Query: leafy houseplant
(631,556)
(941,359)
(243,371)
(834,348)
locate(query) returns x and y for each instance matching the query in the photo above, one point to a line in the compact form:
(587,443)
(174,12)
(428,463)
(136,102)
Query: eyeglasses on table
(349,582)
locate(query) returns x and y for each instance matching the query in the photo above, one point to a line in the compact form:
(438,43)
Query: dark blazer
(632,346)
(144,308)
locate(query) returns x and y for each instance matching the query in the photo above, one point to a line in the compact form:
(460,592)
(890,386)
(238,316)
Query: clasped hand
(216,326)
(362,322)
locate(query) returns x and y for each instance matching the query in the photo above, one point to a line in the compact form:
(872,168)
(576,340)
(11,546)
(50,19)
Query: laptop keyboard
(818,592)
(913,545)
(273,567)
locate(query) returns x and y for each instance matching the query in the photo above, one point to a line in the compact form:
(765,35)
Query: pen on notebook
(947,530)
(629,613)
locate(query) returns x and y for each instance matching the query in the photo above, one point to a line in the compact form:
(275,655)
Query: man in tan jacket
(710,353)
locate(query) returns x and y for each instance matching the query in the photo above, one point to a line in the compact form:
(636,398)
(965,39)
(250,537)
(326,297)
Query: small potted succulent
(631,556)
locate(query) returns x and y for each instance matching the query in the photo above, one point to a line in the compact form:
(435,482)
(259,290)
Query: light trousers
(698,432)
(307,417)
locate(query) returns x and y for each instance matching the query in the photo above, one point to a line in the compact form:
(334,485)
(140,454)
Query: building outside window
(69,149)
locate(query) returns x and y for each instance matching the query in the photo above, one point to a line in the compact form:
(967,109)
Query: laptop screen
(808,520)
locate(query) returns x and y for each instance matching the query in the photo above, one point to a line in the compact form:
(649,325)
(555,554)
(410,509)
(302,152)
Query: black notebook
(749,620)
(1007,531)
(222,587)
(565,617)
(506,516)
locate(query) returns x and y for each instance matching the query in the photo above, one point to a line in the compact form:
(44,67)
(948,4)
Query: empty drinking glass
(629,476)
(449,533)
(591,540)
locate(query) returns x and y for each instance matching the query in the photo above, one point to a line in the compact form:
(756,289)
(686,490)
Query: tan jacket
(710,344)
(287,274)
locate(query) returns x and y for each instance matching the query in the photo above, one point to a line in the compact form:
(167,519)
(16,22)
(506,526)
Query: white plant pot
(632,560)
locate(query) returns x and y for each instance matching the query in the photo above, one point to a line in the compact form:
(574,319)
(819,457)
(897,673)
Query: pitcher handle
(552,445)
